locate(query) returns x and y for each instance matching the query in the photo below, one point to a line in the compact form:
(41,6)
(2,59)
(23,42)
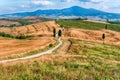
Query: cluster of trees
(59,33)
(11,36)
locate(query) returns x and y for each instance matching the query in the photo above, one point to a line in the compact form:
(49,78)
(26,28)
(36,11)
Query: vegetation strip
(14,37)
(88,25)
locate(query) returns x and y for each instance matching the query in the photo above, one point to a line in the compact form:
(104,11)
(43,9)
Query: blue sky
(13,6)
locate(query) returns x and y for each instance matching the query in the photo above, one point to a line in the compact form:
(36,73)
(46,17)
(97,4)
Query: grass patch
(88,25)
(60,69)
(95,49)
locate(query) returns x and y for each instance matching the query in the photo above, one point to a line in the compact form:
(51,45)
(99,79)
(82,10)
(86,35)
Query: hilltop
(40,28)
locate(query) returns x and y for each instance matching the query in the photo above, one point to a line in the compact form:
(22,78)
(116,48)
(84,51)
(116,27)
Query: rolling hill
(71,12)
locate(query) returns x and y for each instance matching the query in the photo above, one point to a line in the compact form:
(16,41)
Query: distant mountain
(71,12)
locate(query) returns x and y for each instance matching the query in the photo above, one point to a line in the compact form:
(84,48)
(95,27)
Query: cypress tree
(103,37)
(54,32)
(59,33)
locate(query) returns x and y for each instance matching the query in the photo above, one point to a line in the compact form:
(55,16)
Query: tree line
(55,34)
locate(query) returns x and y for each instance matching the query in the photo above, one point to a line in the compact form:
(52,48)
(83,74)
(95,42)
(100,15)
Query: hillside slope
(112,37)
(42,28)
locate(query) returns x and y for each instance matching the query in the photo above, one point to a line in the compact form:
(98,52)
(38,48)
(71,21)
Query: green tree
(59,33)
(54,32)
(103,37)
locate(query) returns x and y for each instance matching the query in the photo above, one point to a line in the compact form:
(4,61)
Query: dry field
(42,33)
(112,37)
(42,28)
(11,47)
(81,57)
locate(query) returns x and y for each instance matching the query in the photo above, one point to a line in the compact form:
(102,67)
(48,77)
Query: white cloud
(69,0)
(24,6)
(104,7)
(42,2)
(96,1)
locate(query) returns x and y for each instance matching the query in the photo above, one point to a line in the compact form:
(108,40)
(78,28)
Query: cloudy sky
(13,6)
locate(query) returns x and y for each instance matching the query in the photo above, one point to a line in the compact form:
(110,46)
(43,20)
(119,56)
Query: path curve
(36,55)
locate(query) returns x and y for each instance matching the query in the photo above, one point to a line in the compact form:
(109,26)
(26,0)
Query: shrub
(50,45)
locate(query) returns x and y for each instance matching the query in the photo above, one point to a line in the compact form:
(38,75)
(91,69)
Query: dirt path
(36,55)
(65,48)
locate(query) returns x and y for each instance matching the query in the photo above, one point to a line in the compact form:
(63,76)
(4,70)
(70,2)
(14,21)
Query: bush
(50,45)
(22,37)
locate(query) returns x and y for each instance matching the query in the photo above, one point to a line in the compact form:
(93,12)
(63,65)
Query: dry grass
(42,37)
(112,37)
(10,47)
(42,29)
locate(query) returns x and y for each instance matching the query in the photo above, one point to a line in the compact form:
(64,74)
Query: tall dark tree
(103,37)
(59,33)
(54,32)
